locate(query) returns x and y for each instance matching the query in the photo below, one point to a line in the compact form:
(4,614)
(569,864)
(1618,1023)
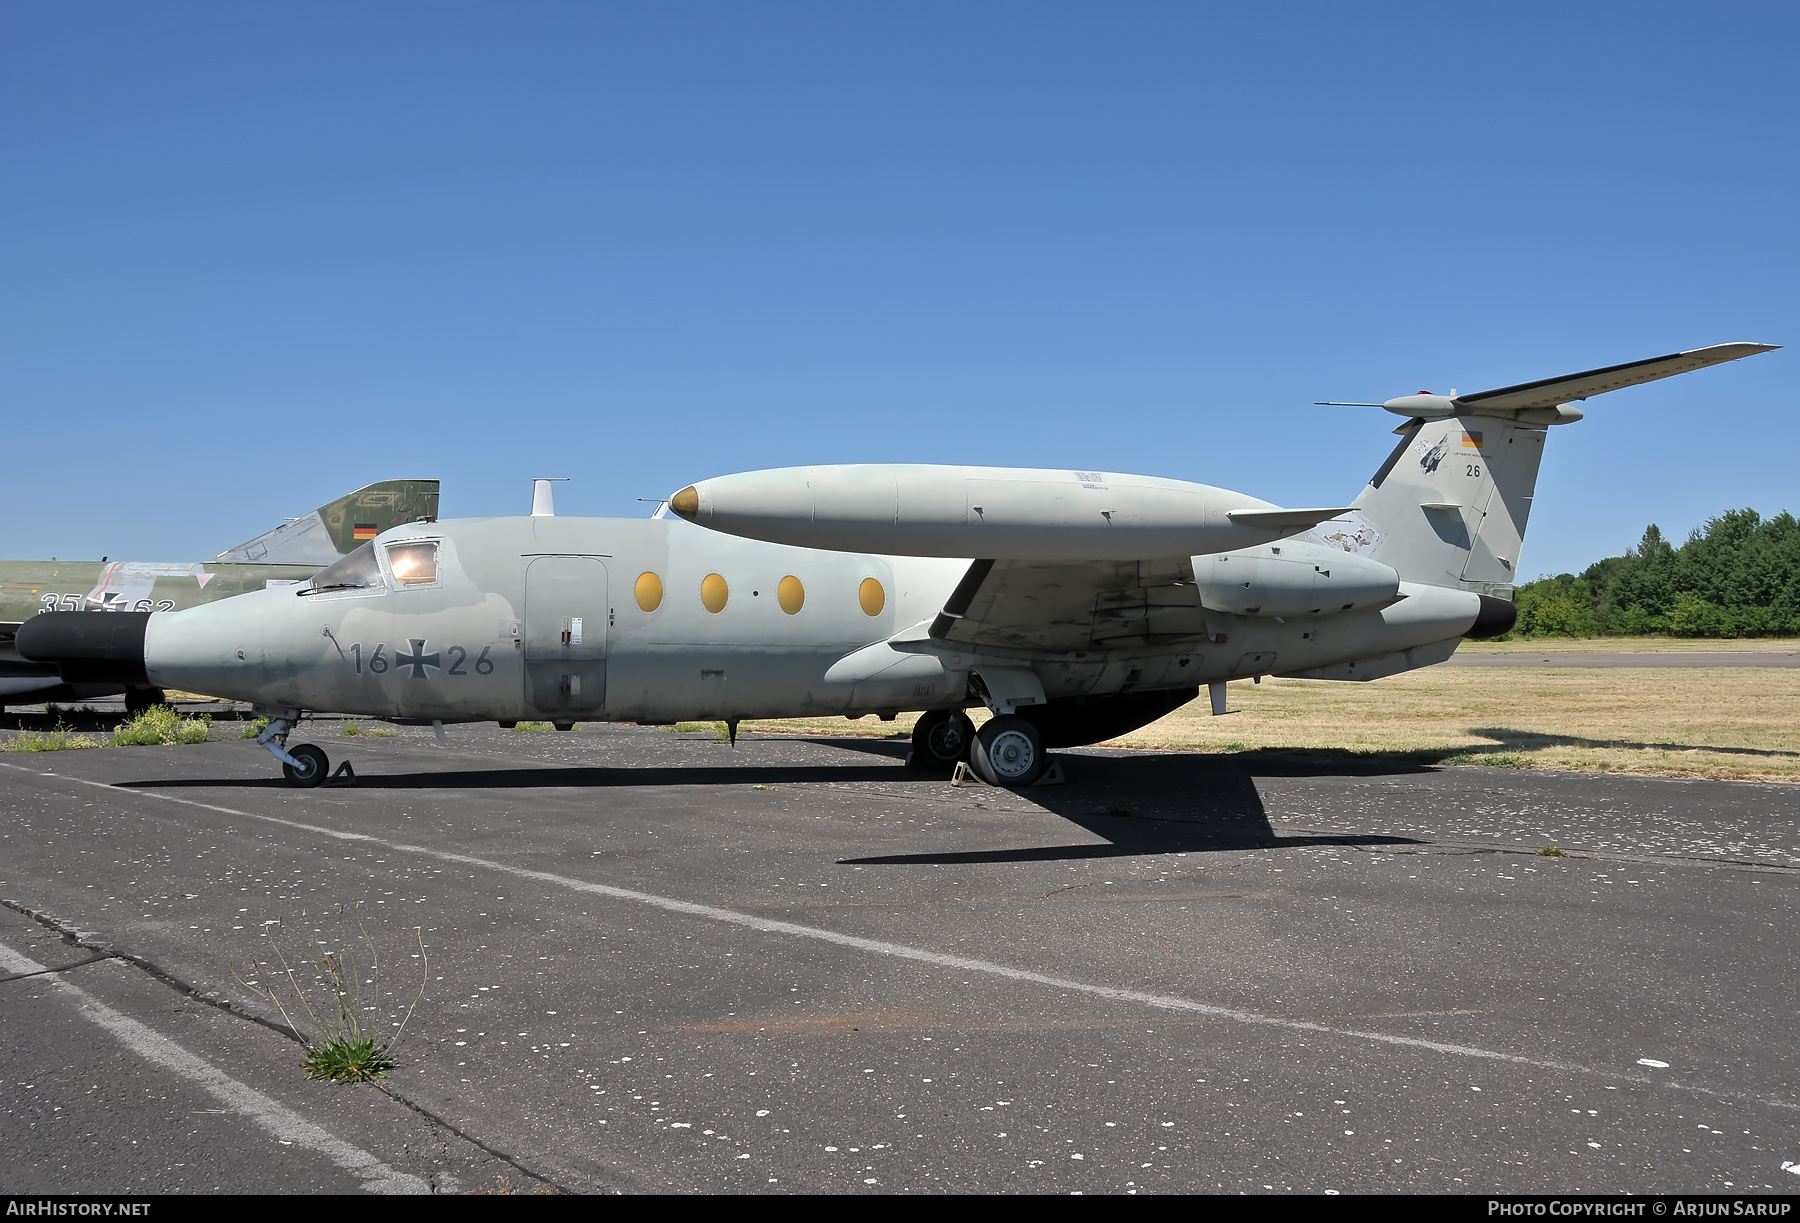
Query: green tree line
(1736,576)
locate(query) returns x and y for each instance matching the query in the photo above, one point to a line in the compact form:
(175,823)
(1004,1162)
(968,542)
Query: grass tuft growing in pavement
(354,727)
(533,726)
(161,726)
(61,739)
(342,1060)
(1551,851)
(339,1046)
(254,728)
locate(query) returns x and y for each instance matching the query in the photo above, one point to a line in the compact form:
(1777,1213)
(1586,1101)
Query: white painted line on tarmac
(1164,1002)
(278,1119)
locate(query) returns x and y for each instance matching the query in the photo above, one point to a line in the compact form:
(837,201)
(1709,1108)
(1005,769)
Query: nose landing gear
(310,767)
(305,766)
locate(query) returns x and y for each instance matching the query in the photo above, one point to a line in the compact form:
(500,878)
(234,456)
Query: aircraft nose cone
(218,648)
(686,502)
(87,647)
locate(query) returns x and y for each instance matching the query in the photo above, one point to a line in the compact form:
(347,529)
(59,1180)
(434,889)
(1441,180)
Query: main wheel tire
(1008,751)
(315,765)
(940,738)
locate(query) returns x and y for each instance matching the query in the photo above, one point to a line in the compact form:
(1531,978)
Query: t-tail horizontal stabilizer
(1545,402)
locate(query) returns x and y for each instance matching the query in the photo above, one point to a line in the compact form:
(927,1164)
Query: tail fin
(339,527)
(1449,506)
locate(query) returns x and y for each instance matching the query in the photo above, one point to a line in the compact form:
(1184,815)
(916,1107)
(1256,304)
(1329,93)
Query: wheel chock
(964,776)
(345,776)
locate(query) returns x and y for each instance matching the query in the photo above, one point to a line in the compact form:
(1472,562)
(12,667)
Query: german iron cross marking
(418,660)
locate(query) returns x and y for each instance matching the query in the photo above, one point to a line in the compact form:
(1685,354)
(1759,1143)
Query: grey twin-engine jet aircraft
(1076,605)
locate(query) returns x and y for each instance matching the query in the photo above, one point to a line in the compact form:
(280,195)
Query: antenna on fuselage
(543,501)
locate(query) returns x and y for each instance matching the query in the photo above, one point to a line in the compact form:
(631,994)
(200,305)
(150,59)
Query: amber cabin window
(413,564)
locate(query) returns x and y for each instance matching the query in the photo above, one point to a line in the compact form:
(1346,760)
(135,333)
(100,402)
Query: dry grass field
(1737,723)
(1634,645)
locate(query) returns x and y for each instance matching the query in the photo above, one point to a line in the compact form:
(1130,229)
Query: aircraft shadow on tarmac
(1526,740)
(1142,804)
(1162,804)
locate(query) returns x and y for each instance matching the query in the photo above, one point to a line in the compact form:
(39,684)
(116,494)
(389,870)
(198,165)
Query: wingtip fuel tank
(1001,512)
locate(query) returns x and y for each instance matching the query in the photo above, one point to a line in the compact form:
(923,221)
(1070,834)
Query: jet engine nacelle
(1292,579)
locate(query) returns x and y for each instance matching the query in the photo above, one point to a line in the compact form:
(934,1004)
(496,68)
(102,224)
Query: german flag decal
(365,530)
(1471,441)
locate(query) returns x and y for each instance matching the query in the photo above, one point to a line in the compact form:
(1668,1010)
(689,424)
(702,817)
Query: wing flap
(1064,608)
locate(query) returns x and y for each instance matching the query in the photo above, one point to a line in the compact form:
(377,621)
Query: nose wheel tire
(315,765)
(940,738)
(1008,751)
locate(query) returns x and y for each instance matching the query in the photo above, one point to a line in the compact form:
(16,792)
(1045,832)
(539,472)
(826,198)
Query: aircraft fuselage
(657,621)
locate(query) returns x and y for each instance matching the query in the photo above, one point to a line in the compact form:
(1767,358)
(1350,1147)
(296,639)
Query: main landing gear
(1007,751)
(304,765)
(941,738)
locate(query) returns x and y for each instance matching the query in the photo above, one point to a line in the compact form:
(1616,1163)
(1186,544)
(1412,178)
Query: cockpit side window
(414,564)
(357,571)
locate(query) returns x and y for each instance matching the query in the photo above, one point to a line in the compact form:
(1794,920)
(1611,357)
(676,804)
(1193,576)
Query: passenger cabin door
(565,635)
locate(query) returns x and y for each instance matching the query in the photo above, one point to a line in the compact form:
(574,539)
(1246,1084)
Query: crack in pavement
(46,972)
(77,938)
(282,1123)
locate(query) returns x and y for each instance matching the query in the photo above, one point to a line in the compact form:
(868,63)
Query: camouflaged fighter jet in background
(1075,605)
(288,554)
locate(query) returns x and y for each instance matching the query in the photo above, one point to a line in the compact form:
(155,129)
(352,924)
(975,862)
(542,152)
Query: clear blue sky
(252,256)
